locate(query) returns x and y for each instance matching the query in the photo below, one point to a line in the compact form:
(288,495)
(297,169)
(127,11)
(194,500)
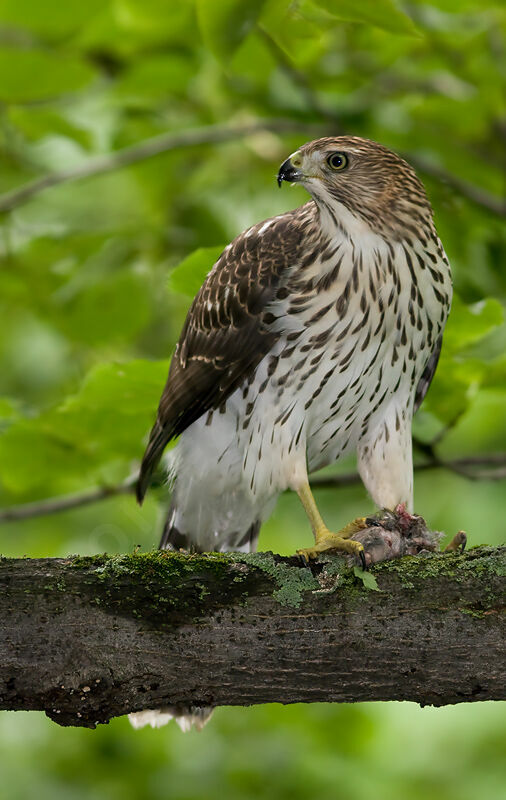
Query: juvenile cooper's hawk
(316,333)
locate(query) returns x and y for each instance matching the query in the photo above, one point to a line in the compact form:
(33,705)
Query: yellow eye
(337,161)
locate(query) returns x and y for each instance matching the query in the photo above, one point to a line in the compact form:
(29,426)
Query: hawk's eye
(337,161)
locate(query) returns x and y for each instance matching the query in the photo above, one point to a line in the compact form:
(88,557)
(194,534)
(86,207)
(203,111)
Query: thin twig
(212,134)
(300,79)
(476,194)
(461,466)
(216,134)
(53,505)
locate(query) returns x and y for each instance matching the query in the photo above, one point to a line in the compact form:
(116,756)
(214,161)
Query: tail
(174,539)
(187,717)
(158,439)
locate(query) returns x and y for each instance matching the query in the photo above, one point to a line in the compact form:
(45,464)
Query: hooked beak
(287,172)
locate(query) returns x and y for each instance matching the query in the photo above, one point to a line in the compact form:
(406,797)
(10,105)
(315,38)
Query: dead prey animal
(393,534)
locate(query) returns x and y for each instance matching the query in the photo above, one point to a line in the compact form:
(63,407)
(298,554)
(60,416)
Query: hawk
(315,334)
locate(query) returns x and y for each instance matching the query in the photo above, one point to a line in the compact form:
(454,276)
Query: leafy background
(96,276)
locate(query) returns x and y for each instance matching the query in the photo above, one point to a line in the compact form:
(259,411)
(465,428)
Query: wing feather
(224,336)
(427,375)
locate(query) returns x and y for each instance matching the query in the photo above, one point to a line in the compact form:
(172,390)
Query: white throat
(334,216)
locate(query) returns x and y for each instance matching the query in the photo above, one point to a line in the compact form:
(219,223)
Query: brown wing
(427,375)
(226,333)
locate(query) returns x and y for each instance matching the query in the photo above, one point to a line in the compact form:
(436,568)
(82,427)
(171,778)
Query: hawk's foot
(355,526)
(325,541)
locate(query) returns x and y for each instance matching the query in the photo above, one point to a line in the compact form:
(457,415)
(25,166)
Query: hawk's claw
(362,560)
(326,541)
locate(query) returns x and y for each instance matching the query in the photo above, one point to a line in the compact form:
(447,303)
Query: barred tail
(187,717)
(175,539)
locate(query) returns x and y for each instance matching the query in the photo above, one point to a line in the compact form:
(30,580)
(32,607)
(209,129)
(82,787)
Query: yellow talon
(356,525)
(324,539)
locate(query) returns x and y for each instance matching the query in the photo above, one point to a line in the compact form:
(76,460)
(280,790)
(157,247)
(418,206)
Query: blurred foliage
(95,280)
(319,752)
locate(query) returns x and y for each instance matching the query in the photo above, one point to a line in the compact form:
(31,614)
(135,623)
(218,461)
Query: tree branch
(87,639)
(216,134)
(477,195)
(495,464)
(212,134)
(466,467)
(53,505)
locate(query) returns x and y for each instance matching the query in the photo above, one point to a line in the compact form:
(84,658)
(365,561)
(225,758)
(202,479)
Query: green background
(95,280)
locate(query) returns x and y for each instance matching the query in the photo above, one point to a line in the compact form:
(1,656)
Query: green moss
(163,565)
(291,582)
(486,561)
(169,588)
(166,569)
(455,566)
(473,612)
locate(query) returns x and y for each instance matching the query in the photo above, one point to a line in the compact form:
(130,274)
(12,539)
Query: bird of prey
(315,334)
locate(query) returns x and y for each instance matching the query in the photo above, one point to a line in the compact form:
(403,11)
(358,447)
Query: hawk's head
(369,180)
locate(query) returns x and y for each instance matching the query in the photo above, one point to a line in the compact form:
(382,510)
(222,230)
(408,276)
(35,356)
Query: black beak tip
(287,172)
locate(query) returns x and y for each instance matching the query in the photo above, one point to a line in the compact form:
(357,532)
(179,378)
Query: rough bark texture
(87,639)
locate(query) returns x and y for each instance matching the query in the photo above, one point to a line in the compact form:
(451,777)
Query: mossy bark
(87,639)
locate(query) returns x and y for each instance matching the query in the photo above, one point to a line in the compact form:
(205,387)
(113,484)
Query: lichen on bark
(154,629)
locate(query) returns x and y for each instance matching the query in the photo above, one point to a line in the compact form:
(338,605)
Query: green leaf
(468,324)
(27,75)
(52,18)
(224,25)
(495,375)
(114,409)
(8,411)
(155,79)
(127,389)
(459,374)
(98,430)
(293,29)
(112,309)
(34,454)
(35,123)
(367,579)
(383,14)
(159,19)
(452,389)
(189,275)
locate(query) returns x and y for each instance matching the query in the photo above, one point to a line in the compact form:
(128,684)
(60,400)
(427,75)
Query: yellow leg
(324,539)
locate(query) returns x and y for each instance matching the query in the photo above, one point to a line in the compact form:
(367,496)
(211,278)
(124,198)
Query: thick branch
(87,639)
